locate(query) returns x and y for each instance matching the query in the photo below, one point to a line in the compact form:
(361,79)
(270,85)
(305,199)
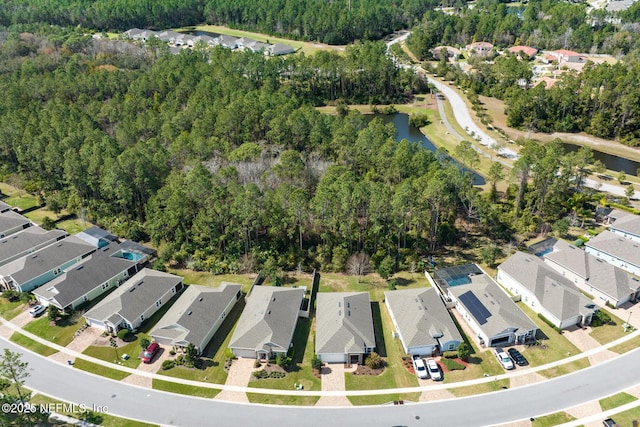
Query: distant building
(524,51)
(479,48)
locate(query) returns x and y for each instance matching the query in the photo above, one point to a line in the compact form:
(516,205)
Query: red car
(150,352)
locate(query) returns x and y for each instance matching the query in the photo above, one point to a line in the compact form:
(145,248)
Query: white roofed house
(134,301)
(546,291)
(267,323)
(422,321)
(344,327)
(196,316)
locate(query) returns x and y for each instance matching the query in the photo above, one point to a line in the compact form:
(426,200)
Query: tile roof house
(86,280)
(28,272)
(196,316)
(479,48)
(616,250)
(344,327)
(528,51)
(545,290)
(12,222)
(422,321)
(134,301)
(27,241)
(486,307)
(604,281)
(267,323)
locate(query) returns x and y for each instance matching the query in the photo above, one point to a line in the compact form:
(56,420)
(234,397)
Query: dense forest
(222,160)
(325,21)
(545,24)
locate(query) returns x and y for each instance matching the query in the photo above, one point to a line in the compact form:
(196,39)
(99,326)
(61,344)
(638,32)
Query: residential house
(479,48)
(30,271)
(100,272)
(546,291)
(595,276)
(524,52)
(485,306)
(27,241)
(617,250)
(627,226)
(134,301)
(243,43)
(97,236)
(267,323)
(452,52)
(196,316)
(168,36)
(228,42)
(138,34)
(12,222)
(422,322)
(278,49)
(344,327)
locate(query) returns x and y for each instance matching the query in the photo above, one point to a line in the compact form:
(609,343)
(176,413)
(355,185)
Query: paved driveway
(239,375)
(23,318)
(332,376)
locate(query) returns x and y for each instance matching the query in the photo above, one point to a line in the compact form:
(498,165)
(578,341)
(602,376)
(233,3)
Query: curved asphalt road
(129,401)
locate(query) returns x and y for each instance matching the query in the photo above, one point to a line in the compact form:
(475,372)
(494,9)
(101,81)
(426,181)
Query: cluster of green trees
(545,24)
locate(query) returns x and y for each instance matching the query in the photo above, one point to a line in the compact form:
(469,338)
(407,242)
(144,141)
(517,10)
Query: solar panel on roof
(475,306)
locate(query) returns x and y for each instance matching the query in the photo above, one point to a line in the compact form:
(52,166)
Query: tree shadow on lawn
(401,281)
(300,339)
(377,328)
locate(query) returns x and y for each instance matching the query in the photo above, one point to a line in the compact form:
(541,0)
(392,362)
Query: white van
(37,310)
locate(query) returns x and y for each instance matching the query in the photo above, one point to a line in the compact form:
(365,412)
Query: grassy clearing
(301,373)
(18,198)
(105,420)
(627,418)
(629,345)
(554,345)
(306,47)
(108,354)
(381,399)
(214,355)
(184,389)
(606,333)
(372,283)
(487,387)
(60,333)
(103,371)
(32,345)
(272,399)
(214,280)
(616,400)
(552,420)
(566,368)
(10,309)
(73,226)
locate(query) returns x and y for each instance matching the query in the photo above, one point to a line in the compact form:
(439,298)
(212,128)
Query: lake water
(612,162)
(203,33)
(412,134)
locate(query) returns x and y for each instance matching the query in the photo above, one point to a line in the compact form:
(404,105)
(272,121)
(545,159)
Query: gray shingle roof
(419,313)
(134,296)
(344,323)
(559,295)
(281,49)
(4,207)
(191,318)
(617,246)
(268,319)
(46,259)
(84,276)
(22,243)
(10,219)
(504,313)
(627,224)
(607,278)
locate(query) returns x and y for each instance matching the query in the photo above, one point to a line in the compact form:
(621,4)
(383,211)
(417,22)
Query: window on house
(450,346)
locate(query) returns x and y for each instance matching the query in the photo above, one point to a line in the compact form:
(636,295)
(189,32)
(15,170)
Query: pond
(203,33)
(612,162)
(412,134)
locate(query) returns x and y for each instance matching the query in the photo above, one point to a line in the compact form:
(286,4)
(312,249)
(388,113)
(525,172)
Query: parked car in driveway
(504,358)
(420,367)
(37,310)
(434,370)
(609,423)
(518,357)
(150,352)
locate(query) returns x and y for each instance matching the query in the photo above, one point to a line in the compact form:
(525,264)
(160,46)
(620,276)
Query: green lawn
(32,345)
(487,387)
(552,420)
(555,346)
(61,333)
(106,419)
(301,373)
(381,399)
(10,309)
(616,400)
(108,354)
(74,225)
(94,368)
(628,345)
(214,355)
(184,389)
(39,215)
(272,399)
(22,200)
(566,368)
(627,418)
(205,278)
(606,333)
